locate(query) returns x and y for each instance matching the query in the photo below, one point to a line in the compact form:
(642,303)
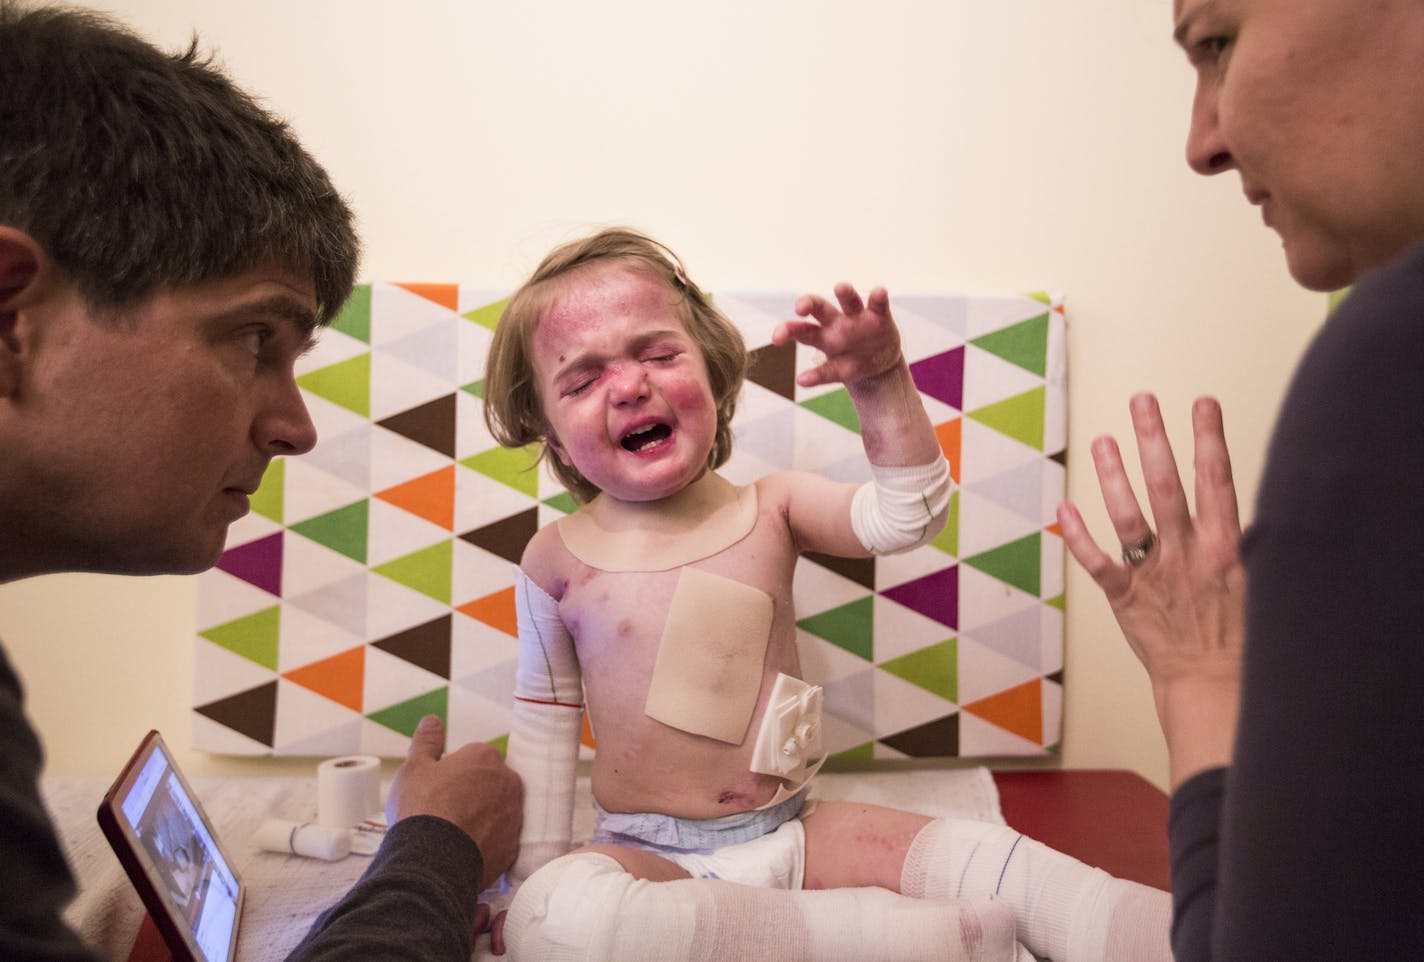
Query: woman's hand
(1179,593)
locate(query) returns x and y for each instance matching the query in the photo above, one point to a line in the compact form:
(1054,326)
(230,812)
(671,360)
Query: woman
(1297,832)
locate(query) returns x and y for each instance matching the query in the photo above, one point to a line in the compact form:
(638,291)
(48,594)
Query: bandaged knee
(902,508)
(1063,909)
(585,907)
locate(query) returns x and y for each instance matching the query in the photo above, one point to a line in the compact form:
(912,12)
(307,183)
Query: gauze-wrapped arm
(544,730)
(903,508)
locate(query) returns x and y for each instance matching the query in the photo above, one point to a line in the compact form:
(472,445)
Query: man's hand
(471,787)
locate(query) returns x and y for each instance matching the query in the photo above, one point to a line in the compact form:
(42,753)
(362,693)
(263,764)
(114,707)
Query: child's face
(624,387)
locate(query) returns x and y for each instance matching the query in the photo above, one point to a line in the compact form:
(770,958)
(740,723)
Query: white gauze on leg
(1063,909)
(584,907)
(545,727)
(902,508)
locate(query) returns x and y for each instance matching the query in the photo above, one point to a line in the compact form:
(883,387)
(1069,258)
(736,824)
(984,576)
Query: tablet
(169,850)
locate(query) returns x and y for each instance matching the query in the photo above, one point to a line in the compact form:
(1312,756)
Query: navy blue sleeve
(416,900)
(1320,837)
(35,880)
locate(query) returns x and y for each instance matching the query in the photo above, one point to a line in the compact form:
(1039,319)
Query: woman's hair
(514,411)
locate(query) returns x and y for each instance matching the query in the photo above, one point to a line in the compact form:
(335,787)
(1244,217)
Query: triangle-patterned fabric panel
(373,582)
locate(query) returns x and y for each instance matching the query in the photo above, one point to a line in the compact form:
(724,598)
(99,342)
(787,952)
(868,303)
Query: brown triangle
(252,713)
(432,424)
(859,570)
(506,537)
(938,738)
(774,368)
(426,646)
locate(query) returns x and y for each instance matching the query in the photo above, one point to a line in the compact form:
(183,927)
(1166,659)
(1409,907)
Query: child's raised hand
(859,339)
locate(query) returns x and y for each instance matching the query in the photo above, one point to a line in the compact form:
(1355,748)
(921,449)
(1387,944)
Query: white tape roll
(348,789)
(310,839)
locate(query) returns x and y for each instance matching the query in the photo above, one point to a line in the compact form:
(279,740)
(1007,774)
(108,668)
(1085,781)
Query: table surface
(1114,820)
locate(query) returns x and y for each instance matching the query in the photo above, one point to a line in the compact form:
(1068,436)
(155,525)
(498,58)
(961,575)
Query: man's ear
(25,270)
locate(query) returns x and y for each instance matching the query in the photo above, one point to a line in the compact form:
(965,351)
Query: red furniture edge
(1113,820)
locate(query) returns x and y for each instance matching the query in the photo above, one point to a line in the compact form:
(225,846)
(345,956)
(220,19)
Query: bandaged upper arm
(902,508)
(545,726)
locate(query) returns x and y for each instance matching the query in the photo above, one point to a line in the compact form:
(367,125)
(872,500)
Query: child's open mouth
(647,436)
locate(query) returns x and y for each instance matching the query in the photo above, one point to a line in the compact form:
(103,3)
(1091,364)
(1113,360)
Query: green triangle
(850,626)
(860,753)
(355,316)
(835,406)
(405,716)
(1018,563)
(488,315)
(948,539)
(501,743)
(516,467)
(1056,602)
(342,530)
(1020,417)
(1334,299)
(477,388)
(563,501)
(1024,344)
(267,499)
(1040,296)
(254,637)
(935,669)
(426,570)
(347,383)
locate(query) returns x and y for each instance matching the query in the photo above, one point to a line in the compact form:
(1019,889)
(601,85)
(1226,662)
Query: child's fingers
(806,332)
(849,299)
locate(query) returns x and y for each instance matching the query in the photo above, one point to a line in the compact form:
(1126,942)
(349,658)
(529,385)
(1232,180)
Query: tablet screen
(167,847)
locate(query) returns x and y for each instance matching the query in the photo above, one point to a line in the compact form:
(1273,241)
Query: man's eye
(253,341)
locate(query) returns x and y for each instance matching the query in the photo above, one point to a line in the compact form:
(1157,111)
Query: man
(167,250)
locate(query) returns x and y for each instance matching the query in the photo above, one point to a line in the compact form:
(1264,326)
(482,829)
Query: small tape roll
(303,838)
(348,790)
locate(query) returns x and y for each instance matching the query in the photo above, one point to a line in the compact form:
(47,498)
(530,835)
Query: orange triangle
(1054,529)
(430,496)
(446,295)
(341,677)
(586,738)
(1019,710)
(496,610)
(949,434)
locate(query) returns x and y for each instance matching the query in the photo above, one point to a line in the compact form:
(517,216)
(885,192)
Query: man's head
(166,250)
(514,409)
(137,171)
(1319,106)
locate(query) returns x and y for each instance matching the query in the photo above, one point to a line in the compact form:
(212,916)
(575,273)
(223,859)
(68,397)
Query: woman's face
(1319,106)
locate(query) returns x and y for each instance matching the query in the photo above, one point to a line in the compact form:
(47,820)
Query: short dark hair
(139,171)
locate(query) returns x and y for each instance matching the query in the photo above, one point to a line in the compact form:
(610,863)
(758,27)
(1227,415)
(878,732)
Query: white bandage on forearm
(902,508)
(545,727)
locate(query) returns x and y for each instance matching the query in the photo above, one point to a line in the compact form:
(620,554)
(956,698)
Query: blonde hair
(514,411)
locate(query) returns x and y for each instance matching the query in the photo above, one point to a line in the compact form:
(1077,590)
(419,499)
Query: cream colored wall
(933,145)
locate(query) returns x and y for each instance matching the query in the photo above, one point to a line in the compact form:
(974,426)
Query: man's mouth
(647,436)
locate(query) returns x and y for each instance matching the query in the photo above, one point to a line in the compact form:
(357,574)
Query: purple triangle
(942,377)
(257,562)
(934,596)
